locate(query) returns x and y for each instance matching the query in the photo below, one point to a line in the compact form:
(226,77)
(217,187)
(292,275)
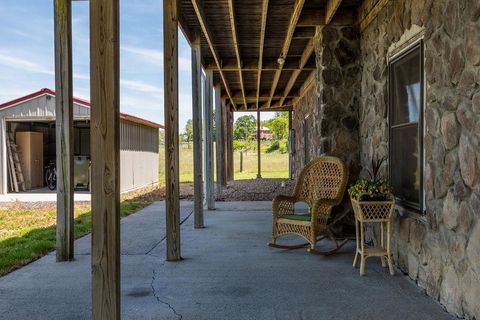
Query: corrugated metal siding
(138,155)
(41,107)
(138,143)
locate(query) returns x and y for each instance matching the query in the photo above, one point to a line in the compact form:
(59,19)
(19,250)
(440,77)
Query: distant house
(265,134)
(29,122)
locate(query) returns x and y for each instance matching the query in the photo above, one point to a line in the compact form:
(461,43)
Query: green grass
(274,165)
(26,235)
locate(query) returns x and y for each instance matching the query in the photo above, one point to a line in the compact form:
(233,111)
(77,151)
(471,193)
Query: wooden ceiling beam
(332,6)
(292,63)
(208,36)
(304,32)
(253,107)
(307,52)
(249,95)
(263,26)
(305,86)
(297,11)
(233,27)
(313,18)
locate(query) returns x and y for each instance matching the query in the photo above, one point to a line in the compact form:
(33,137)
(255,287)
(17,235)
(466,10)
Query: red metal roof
(83,102)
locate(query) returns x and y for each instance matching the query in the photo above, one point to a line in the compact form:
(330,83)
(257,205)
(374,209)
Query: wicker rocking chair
(321,186)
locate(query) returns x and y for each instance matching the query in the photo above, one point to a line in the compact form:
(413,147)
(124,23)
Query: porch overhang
(261,52)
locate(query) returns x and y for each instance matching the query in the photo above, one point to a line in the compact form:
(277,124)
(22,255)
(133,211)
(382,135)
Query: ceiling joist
(332,6)
(307,52)
(292,63)
(208,36)
(233,27)
(297,11)
(263,26)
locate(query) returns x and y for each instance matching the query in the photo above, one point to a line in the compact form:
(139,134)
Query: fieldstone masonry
(332,108)
(348,107)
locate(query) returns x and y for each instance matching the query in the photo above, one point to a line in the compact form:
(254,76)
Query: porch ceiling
(244,42)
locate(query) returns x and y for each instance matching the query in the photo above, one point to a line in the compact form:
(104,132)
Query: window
(406,127)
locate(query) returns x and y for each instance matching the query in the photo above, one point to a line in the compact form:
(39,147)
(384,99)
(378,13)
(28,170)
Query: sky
(27,55)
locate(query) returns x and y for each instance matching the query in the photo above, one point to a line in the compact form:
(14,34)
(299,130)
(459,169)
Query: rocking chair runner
(321,186)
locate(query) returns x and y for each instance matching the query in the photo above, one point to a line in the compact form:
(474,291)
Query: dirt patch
(257,189)
(238,190)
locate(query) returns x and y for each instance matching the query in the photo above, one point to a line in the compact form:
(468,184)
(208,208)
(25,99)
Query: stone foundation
(439,250)
(328,112)
(347,110)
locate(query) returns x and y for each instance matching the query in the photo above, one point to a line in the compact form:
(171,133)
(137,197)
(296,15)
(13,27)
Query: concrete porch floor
(228,272)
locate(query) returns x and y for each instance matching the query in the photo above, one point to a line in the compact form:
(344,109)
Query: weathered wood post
(198,220)
(64,128)
(170,68)
(105,153)
(241,161)
(208,140)
(230,160)
(290,146)
(259,160)
(224,143)
(218,139)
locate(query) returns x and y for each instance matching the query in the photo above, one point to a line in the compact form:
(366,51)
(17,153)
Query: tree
(244,128)
(278,125)
(188,133)
(161,137)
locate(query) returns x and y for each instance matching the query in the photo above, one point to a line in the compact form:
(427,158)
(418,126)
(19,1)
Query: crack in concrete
(178,315)
(165,237)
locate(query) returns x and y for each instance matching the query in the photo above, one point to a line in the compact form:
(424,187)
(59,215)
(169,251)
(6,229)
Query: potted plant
(373,188)
(372,202)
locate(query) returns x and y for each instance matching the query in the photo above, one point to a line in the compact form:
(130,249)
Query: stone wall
(439,250)
(331,107)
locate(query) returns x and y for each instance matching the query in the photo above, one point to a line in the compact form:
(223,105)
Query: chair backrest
(322,178)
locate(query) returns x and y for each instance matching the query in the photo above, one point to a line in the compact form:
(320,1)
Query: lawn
(28,234)
(274,165)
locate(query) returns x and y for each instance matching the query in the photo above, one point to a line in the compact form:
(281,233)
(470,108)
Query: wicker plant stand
(380,212)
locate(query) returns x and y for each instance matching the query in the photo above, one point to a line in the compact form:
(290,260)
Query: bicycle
(51,175)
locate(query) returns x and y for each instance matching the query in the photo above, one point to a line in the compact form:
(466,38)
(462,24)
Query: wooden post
(241,161)
(290,146)
(218,138)
(3,156)
(170,67)
(105,153)
(208,140)
(223,138)
(259,160)
(64,128)
(198,220)
(229,136)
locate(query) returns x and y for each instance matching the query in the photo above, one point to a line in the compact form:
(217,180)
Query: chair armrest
(321,210)
(283,205)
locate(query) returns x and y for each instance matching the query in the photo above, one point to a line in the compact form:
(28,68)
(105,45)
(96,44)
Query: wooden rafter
(332,6)
(292,63)
(237,95)
(372,13)
(262,42)
(307,52)
(252,107)
(304,88)
(297,10)
(233,26)
(208,36)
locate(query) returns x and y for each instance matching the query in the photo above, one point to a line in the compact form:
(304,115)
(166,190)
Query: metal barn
(34,114)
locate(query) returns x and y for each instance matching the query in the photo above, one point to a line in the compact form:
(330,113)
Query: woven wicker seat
(321,186)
